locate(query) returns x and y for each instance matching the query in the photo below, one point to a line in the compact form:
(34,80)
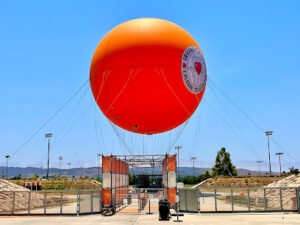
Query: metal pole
(248,200)
(268,133)
(259,162)
(6,172)
(216,209)
(98,165)
(280,193)
(193,159)
(231,195)
(265,199)
(60,159)
(48,135)
(279,154)
(177,148)
(69,169)
(61,202)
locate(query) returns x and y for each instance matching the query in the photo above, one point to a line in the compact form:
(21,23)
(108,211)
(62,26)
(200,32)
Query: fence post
(45,202)
(248,200)
(185,201)
(61,202)
(298,198)
(100,201)
(78,203)
(199,199)
(29,201)
(280,195)
(13,203)
(216,209)
(231,197)
(265,199)
(92,202)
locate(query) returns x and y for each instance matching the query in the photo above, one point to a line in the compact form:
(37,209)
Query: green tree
(133,179)
(293,171)
(223,165)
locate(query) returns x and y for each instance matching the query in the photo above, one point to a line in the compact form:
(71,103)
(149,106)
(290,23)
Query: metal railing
(50,202)
(265,199)
(136,200)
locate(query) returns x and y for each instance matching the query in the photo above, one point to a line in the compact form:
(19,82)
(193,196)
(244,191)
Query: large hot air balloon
(148,75)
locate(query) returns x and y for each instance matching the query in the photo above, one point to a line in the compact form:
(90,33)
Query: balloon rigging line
(96,131)
(241,135)
(123,88)
(49,119)
(119,136)
(68,131)
(233,130)
(173,92)
(249,118)
(71,114)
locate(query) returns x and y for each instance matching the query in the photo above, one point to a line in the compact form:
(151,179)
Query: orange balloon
(148,75)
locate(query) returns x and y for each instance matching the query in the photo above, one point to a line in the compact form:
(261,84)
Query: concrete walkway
(126,219)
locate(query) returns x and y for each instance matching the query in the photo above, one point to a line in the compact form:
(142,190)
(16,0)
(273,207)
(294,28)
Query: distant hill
(93,171)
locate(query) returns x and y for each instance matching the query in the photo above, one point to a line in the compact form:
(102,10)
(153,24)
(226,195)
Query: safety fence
(273,199)
(50,202)
(138,200)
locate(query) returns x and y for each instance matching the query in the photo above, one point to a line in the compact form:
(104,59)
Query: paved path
(128,219)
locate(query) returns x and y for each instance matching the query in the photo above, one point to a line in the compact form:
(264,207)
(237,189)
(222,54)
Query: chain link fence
(273,199)
(50,202)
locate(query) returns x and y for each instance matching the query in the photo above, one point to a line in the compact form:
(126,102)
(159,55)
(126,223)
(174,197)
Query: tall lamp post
(98,155)
(268,133)
(41,172)
(178,148)
(60,158)
(49,135)
(279,154)
(259,162)
(69,164)
(6,172)
(193,159)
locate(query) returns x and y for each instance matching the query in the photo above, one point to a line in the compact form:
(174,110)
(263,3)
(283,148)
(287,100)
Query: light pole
(41,172)
(279,154)
(177,148)
(60,158)
(98,155)
(193,159)
(69,169)
(6,174)
(49,135)
(268,133)
(259,162)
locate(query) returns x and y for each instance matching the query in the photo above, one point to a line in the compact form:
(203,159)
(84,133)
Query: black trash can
(164,209)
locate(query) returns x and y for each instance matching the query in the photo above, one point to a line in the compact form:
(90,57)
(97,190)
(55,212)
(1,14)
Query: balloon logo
(198,67)
(148,75)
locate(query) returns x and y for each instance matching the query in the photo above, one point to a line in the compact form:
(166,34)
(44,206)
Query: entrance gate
(117,196)
(141,201)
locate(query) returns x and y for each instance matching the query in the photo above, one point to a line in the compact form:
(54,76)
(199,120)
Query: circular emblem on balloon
(137,75)
(193,69)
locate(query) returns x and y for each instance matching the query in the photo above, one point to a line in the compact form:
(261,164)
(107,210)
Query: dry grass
(65,184)
(241,182)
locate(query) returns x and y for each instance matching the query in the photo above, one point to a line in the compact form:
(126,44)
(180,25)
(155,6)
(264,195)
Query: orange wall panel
(172,195)
(171,163)
(106,163)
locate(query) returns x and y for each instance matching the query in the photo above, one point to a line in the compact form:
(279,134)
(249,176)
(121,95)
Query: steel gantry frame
(142,160)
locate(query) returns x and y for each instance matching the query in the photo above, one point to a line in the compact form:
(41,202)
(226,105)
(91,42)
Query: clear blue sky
(251,50)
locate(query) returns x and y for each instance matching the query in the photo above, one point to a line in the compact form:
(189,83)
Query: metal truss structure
(142,160)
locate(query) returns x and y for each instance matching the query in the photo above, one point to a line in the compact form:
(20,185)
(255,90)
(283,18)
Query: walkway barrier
(265,199)
(138,200)
(50,202)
